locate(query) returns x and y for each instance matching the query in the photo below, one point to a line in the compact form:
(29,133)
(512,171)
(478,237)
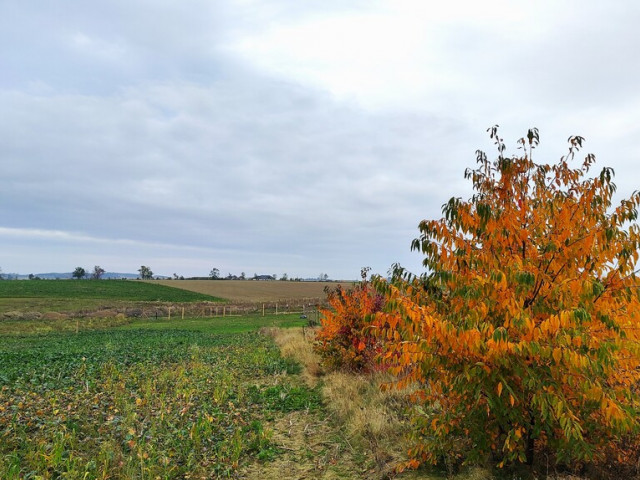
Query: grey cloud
(132,121)
(255,165)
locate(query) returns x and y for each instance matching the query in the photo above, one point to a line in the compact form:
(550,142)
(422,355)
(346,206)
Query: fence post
(182,313)
(169,313)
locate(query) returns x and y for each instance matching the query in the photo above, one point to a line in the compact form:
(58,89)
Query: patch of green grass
(285,398)
(121,290)
(220,325)
(166,399)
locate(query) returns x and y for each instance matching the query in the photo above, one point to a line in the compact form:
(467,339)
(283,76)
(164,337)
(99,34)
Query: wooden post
(182,313)
(263,309)
(276,308)
(169,313)
(224,311)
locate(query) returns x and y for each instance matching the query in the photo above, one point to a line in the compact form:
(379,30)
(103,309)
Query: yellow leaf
(499,388)
(557,355)
(512,400)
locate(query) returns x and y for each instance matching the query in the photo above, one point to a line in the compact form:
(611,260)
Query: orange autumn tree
(523,334)
(344,340)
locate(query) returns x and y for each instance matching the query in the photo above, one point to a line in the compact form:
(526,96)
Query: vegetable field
(191,399)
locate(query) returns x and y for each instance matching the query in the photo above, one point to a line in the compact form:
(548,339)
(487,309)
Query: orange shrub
(345,340)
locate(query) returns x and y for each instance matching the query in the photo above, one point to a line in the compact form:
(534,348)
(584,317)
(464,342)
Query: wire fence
(305,307)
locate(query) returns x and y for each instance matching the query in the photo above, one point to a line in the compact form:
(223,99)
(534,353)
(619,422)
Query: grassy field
(252,291)
(199,398)
(64,295)
(103,289)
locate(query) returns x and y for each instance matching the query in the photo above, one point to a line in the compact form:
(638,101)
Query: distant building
(263,277)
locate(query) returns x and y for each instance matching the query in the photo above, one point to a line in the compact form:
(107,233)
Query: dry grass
(253,291)
(296,343)
(374,420)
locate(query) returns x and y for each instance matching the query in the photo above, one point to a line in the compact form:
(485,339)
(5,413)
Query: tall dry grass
(375,420)
(297,344)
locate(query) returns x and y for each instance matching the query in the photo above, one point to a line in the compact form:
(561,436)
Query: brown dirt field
(252,290)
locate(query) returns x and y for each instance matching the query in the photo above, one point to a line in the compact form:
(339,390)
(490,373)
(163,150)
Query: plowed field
(253,291)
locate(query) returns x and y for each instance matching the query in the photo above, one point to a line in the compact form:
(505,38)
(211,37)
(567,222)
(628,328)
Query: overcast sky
(273,136)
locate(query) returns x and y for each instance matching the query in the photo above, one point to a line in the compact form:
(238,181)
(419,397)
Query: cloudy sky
(273,136)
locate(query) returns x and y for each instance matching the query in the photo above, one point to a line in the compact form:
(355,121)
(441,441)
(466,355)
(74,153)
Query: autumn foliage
(523,335)
(345,340)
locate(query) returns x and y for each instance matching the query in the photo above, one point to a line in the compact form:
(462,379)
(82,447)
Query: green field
(128,290)
(85,295)
(179,399)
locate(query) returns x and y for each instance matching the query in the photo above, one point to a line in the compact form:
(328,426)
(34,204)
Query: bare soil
(255,291)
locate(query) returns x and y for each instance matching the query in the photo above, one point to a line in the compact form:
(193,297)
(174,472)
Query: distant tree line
(145,273)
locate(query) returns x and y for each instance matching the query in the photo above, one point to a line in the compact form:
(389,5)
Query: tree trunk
(530,441)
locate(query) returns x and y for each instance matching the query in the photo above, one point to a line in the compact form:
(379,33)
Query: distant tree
(175,276)
(243,276)
(98,271)
(284,277)
(323,277)
(145,273)
(275,277)
(79,273)
(214,274)
(31,276)
(1,275)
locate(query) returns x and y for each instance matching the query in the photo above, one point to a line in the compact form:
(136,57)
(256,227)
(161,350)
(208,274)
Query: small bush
(345,340)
